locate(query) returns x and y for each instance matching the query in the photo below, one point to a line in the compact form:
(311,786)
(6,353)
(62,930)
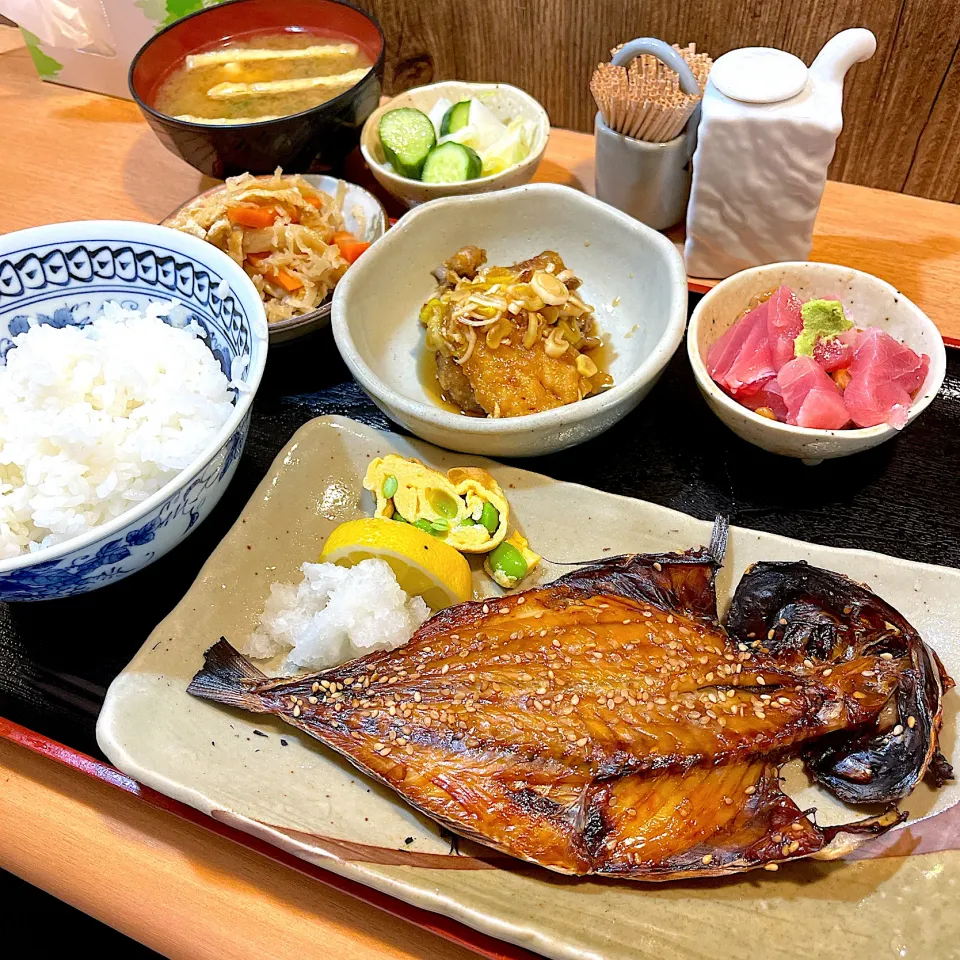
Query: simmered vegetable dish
(289,237)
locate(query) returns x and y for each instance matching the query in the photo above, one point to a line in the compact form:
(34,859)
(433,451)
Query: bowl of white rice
(129,357)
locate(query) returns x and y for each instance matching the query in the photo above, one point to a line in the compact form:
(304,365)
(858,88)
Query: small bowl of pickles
(454,138)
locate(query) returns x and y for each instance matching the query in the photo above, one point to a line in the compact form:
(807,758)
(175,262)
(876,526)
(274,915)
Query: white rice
(95,419)
(335,614)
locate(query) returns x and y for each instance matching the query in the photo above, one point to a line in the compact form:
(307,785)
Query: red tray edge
(449,929)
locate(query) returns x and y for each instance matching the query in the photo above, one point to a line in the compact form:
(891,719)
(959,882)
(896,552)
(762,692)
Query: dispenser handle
(666,54)
(841,52)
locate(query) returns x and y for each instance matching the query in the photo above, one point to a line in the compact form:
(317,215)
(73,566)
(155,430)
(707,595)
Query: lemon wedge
(423,565)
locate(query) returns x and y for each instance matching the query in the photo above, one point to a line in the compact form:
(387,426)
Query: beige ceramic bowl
(631,274)
(867,300)
(504,101)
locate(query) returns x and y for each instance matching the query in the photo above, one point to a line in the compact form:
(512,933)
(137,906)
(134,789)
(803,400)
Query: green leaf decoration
(177,9)
(47,67)
(164,12)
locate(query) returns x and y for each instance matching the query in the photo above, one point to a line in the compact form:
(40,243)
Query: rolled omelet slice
(480,492)
(406,488)
(465,508)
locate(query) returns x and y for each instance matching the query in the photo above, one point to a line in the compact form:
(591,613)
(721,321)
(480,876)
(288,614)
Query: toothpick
(644,100)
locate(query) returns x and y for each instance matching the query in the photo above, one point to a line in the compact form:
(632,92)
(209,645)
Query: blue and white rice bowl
(62,275)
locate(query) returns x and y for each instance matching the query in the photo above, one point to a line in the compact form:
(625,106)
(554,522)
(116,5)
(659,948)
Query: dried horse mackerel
(606,724)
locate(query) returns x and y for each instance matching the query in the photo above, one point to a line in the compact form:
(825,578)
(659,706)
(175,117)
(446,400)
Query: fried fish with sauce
(606,724)
(511,340)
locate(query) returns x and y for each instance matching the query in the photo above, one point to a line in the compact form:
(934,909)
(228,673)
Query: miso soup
(262,77)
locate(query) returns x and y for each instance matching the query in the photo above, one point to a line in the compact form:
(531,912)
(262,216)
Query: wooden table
(179,888)
(176,887)
(70,155)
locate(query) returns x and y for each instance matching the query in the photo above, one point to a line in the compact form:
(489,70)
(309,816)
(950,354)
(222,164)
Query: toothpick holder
(649,181)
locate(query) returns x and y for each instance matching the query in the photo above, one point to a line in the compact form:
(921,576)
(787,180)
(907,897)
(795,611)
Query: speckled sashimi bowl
(63,274)
(632,275)
(868,300)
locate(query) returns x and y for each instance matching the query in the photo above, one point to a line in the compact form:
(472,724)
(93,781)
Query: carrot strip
(280,277)
(286,280)
(250,215)
(350,247)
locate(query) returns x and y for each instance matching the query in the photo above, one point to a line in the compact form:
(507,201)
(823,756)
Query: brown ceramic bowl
(315,139)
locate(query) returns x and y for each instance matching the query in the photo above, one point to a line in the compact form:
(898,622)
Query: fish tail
(222,679)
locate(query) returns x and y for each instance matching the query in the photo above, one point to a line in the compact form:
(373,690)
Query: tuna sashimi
(812,399)
(889,359)
(885,375)
(723,352)
(756,362)
(754,366)
(768,397)
(784,323)
(740,360)
(749,355)
(837,352)
(871,402)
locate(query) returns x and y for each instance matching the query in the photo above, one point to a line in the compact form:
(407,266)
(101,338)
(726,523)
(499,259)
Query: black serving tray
(58,657)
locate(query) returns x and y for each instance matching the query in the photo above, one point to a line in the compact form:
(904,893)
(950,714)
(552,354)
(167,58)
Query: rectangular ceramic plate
(896,898)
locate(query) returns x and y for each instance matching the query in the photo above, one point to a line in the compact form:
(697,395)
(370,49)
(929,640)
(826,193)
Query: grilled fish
(608,724)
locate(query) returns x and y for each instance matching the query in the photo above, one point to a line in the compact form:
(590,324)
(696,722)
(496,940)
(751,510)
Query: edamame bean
(490,518)
(398,518)
(443,503)
(439,526)
(468,522)
(508,560)
(423,525)
(390,486)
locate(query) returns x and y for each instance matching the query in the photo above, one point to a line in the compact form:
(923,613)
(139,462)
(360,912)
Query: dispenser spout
(841,52)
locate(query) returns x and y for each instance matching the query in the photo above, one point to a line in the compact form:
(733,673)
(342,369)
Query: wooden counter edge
(176,887)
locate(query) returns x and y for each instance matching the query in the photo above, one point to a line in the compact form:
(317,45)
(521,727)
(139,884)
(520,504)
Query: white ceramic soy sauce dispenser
(768,130)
